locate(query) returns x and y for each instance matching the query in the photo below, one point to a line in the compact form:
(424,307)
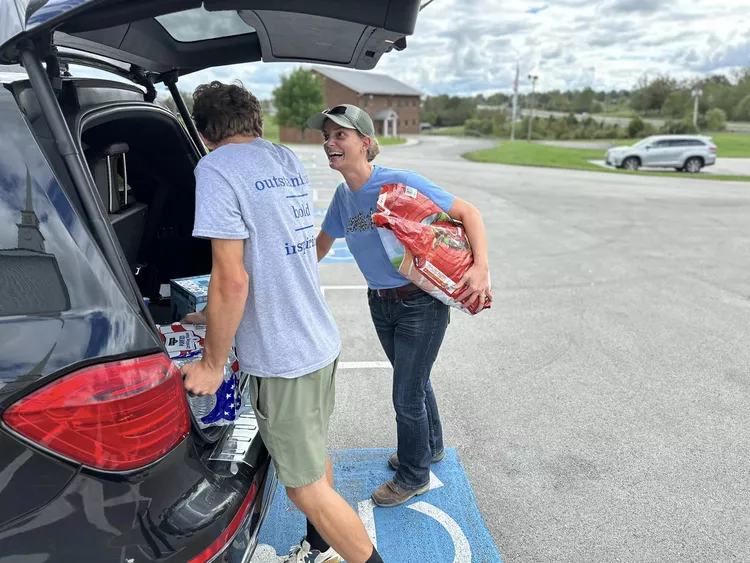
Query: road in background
(600,407)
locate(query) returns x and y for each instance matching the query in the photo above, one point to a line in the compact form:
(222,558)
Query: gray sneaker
(394,463)
(389,494)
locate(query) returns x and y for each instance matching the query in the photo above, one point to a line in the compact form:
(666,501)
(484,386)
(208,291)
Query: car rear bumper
(242,547)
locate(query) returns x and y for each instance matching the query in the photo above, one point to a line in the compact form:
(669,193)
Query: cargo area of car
(142,162)
(141,159)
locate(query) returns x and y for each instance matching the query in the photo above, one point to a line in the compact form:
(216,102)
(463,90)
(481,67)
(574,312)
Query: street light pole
(533,79)
(697,93)
(515,106)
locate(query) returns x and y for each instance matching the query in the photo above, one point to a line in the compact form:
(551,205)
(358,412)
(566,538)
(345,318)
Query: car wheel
(631,163)
(694,164)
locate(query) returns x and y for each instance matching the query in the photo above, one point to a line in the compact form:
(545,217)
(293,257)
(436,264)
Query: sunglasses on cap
(338,110)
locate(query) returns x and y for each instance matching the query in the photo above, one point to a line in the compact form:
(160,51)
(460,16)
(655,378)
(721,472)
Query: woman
(409,322)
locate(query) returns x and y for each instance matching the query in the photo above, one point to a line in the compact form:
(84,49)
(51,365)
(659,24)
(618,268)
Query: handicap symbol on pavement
(339,253)
(443,526)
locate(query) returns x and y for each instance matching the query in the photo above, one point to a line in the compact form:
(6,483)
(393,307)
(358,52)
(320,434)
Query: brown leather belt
(403,293)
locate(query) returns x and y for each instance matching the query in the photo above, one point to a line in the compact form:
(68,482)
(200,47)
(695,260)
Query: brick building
(393,106)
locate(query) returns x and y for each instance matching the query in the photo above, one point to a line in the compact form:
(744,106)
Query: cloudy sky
(471,46)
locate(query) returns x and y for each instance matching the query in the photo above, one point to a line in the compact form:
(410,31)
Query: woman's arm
(323,244)
(477,279)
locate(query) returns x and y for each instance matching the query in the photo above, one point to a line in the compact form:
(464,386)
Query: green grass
(384,141)
(731,145)
(271,129)
(521,153)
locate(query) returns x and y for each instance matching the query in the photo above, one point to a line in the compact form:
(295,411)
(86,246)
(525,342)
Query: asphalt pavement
(600,407)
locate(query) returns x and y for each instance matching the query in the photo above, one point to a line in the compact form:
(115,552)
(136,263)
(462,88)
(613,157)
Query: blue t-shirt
(350,216)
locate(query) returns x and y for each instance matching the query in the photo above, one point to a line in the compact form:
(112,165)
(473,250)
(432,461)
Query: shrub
(716,120)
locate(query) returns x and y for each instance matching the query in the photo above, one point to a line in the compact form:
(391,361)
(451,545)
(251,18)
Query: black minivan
(101,459)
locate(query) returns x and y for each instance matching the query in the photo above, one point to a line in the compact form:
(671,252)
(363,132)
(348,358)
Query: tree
(742,111)
(186,97)
(716,119)
(650,95)
(677,105)
(297,98)
(636,127)
(583,100)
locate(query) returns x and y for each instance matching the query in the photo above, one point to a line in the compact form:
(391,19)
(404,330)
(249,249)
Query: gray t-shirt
(259,192)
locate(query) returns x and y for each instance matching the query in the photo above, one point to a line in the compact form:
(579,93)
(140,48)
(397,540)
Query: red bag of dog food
(424,243)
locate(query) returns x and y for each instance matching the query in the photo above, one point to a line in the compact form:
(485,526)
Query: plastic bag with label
(425,244)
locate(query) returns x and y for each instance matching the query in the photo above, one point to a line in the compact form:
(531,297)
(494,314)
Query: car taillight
(115,416)
(712,149)
(226,536)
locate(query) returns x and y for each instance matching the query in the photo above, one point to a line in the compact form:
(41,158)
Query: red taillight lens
(712,149)
(226,536)
(115,416)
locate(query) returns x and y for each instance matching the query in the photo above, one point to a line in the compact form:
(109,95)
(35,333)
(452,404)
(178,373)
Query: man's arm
(227,294)
(323,244)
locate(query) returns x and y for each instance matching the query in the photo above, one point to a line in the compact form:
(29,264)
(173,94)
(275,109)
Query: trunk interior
(142,162)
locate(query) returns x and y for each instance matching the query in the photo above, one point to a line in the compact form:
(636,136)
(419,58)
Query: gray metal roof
(368,82)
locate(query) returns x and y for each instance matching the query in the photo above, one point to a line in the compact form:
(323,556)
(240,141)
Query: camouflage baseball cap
(345,115)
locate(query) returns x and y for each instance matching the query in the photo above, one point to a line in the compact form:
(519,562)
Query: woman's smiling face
(344,147)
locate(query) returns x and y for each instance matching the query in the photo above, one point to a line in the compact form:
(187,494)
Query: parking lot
(598,409)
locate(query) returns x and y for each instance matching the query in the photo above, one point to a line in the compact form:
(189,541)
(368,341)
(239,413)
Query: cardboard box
(188,295)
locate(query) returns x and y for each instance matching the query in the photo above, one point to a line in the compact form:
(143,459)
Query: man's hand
(194,318)
(200,379)
(477,286)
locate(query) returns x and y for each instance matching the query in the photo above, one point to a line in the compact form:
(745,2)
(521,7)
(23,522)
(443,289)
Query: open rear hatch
(163,36)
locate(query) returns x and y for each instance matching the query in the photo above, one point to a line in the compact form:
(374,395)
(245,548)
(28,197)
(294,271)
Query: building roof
(368,82)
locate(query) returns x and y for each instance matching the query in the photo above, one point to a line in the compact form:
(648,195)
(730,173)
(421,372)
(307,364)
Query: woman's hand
(477,282)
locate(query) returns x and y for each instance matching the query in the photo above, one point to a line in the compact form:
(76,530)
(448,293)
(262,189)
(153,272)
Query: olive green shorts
(293,416)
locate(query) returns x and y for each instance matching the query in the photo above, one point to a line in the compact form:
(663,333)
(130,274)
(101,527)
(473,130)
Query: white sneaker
(303,554)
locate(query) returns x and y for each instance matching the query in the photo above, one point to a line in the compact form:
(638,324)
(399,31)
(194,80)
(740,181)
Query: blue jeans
(411,332)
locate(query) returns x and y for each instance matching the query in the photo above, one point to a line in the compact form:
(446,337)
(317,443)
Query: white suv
(681,152)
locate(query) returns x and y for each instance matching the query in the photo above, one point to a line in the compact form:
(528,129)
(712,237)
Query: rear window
(199,25)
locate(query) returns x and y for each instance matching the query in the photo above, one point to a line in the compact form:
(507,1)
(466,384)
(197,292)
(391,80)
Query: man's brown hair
(221,111)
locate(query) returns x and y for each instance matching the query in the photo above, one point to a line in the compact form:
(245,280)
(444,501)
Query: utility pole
(515,107)
(533,79)
(697,93)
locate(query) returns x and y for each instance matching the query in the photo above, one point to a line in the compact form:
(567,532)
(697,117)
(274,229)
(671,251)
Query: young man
(253,200)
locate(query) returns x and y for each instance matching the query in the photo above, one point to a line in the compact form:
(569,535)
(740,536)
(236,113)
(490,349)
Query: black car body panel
(61,309)
(139,32)
(170,512)
(60,304)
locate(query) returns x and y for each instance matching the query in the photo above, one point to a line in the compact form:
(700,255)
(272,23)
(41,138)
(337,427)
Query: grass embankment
(521,153)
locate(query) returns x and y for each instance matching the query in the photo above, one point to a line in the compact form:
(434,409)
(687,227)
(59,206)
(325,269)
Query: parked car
(101,459)
(688,153)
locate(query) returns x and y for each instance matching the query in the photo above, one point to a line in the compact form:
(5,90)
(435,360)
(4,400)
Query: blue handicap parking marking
(339,253)
(441,526)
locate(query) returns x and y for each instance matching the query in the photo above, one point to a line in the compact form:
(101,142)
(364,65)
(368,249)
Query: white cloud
(471,46)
